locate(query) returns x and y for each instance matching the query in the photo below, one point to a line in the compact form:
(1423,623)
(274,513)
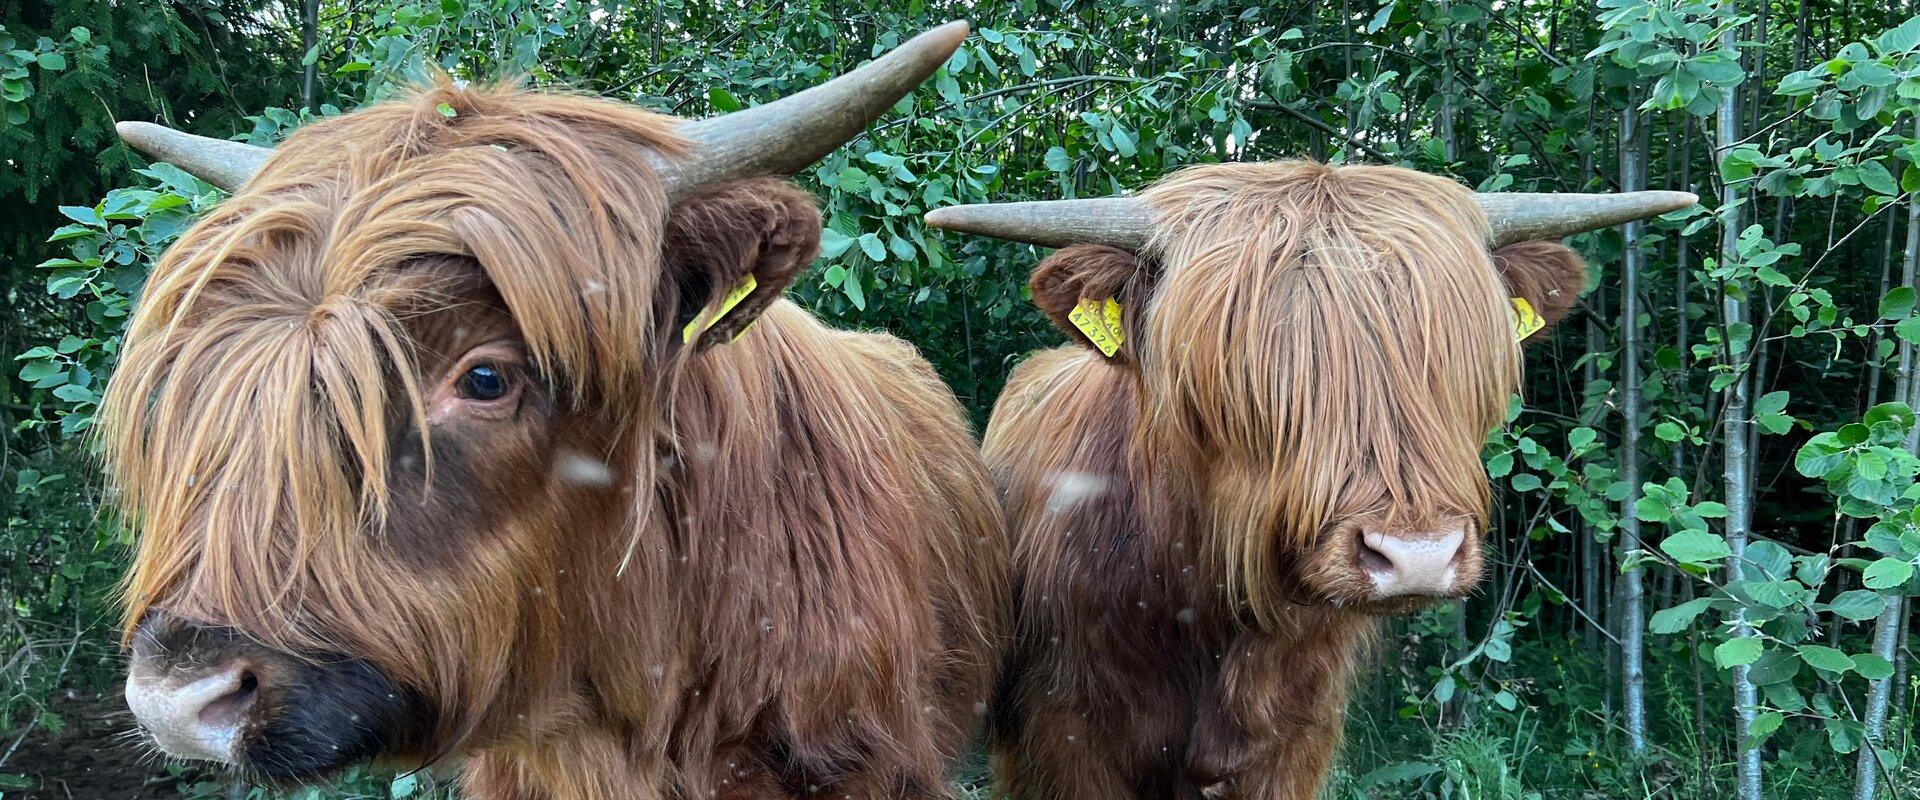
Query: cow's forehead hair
(272,341)
(1333,343)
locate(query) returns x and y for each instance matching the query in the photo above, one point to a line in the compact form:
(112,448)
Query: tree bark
(1737,429)
(1886,629)
(310,70)
(1633,624)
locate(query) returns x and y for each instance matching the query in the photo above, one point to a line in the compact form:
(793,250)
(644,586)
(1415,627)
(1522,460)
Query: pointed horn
(1529,216)
(222,163)
(1123,222)
(788,135)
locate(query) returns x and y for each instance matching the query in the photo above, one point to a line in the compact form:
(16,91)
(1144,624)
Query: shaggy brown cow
(447,436)
(1270,437)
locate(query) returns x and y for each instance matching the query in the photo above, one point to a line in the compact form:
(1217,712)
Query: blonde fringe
(1333,342)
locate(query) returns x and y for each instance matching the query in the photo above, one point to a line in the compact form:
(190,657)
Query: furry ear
(1550,276)
(1089,272)
(766,229)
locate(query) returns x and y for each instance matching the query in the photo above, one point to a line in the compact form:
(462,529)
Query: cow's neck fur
(772,572)
(1124,613)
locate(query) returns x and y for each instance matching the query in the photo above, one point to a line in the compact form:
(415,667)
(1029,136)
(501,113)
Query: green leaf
(1822,657)
(1381,18)
(1886,573)
(53,61)
(1874,175)
(1526,482)
(833,243)
(1898,304)
(37,371)
(1057,159)
(1677,618)
(1738,651)
(1648,509)
(1770,403)
(1579,438)
(856,293)
(1857,605)
(1872,667)
(1696,547)
(85,215)
(872,246)
(1799,83)
(723,100)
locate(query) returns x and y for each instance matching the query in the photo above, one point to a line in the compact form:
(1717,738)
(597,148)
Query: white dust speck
(1070,488)
(577,469)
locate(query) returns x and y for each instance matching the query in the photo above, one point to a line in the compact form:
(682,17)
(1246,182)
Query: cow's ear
(1549,276)
(732,251)
(1095,294)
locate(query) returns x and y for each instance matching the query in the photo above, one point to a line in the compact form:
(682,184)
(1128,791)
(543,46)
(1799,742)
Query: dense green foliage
(1805,306)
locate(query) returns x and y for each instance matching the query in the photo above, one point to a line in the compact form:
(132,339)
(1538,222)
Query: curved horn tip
(137,134)
(1683,199)
(942,217)
(950,35)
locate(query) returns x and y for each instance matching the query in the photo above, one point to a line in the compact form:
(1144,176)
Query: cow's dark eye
(484,382)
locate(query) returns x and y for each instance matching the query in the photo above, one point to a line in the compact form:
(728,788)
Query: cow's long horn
(217,161)
(778,138)
(1533,216)
(787,135)
(1127,222)
(1123,222)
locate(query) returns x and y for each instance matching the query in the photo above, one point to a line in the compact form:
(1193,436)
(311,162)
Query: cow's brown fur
(761,569)
(1309,349)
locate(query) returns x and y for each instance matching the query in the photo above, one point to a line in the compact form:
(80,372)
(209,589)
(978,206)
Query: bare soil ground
(92,758)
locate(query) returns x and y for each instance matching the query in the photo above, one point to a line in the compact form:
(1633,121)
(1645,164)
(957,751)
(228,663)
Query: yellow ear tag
(1525,321)
(1100,321)
(700,324)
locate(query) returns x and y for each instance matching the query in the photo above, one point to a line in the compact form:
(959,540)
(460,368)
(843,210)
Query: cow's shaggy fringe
(813,582)
(1308,348)
(1349,318)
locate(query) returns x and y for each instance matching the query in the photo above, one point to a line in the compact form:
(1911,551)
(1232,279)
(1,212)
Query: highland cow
(1265,436)
(447,437)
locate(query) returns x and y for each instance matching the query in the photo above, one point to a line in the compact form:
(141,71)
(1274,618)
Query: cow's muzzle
(207,693)
(1420,564)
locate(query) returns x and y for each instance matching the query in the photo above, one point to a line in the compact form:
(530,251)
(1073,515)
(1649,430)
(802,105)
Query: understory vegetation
(1708,518)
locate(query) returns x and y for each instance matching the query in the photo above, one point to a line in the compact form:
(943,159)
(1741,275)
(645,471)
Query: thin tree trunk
(1899,701)
(1886,628)
(1738,431)
(309,71)
(1633,624)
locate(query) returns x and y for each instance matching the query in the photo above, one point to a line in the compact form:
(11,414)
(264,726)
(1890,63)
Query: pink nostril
(193,716)
(1370,557)
(1410,564)
(230,709)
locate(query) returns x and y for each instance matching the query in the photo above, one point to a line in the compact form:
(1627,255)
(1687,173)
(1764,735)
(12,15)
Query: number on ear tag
(1526,322)
(1100,321)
